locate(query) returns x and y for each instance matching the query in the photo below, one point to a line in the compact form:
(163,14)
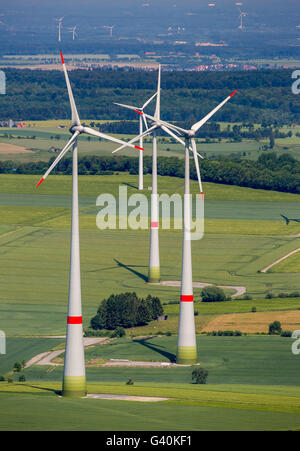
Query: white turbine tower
(154,260)
(186,346)
(73,31)
(140,111)
(74,383)
(59,26)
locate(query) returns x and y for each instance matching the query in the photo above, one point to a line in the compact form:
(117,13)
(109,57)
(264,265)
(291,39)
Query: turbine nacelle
(76,128)
(190,134)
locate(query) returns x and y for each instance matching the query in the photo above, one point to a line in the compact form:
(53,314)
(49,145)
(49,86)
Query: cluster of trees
(213,294)
(264,96)
(268,172)
(126,310)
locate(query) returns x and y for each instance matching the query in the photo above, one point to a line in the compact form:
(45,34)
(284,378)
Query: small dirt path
(280,260)
(46,357)
(239,291)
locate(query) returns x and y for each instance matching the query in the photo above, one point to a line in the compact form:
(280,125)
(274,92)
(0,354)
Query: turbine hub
(191,133)
(76,128)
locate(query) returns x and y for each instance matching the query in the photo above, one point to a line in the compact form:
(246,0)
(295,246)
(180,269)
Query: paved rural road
(123,362)
(280,260)
(46,357)
(239,291)
(126,398)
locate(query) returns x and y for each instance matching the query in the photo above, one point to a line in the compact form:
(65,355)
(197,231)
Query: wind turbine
(186,346)
(59,27)
(1,22)
(74,383)
(73,31)
(110,28)
(242,14)
(154,260)
(140,111)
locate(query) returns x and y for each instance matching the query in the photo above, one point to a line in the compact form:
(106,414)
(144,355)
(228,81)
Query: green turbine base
(74,386)
(186,355)
(154,274)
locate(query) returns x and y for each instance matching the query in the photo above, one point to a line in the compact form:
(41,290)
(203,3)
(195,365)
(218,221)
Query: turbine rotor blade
(157,109)
(136,109)
(178,139)
(199,124)
(175,128)
(194,147)
(148,101)
(165,129)
(60,156)
(147,132)
(75,116)
(92,132)
(145,121)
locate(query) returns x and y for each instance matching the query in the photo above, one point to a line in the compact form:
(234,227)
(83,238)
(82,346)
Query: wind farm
(149,240)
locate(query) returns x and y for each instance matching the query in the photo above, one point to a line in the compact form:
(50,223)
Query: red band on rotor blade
(202,196)
(186,298)
(74,319)
(42,179)
(232,94)
(62,58)
(139,148)
(154,225)
(139,112)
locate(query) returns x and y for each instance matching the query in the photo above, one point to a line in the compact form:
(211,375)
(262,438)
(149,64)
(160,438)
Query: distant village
(12,124)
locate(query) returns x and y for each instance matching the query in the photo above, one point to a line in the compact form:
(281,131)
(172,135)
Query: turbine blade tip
(41,181)
(232,94)
(62,57)
(139,148)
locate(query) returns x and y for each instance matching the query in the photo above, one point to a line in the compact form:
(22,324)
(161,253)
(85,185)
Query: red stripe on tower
(74,319)
(154,225)
(187,298)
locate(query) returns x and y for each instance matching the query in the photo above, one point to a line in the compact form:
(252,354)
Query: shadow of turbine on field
(134,271)
(131,186)
(156,348)
(56,392)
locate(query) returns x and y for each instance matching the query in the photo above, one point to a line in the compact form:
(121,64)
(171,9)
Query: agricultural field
(246,389)
(244,233)
(39,137)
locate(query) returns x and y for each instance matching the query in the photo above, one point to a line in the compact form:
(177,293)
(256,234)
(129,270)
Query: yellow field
(6,149)
(255,322)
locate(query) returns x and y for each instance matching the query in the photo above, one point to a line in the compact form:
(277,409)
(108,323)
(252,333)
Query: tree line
(264,95)
(270,172)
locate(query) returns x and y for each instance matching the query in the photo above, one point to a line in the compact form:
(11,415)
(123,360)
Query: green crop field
(41,136)
(243,234)
(246,389)
(253,380)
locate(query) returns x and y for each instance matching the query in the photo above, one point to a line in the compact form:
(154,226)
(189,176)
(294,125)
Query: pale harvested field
(255,322)
(6,149)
